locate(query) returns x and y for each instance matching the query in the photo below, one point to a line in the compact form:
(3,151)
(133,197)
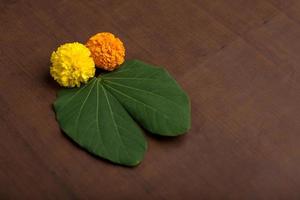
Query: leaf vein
(81,107)
(122,85)
(137,100)
(72,97)
(114,121)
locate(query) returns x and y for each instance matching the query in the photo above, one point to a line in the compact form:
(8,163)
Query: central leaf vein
(134,99)
(114,121)
(133,88)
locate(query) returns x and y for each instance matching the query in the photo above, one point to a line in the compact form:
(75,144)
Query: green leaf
(151,96)
(101,116)
(95,120)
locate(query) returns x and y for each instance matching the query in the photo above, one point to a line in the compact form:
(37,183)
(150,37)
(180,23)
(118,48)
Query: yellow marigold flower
(72,64)
(107,50)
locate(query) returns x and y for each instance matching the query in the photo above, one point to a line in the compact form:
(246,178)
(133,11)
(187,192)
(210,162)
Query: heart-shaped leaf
(98,116)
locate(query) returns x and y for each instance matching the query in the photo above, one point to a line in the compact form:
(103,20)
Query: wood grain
(237,59)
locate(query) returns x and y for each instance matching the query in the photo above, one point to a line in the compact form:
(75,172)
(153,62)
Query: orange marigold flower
(107,51)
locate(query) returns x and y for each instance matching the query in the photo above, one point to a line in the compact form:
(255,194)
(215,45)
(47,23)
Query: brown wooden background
(239,60)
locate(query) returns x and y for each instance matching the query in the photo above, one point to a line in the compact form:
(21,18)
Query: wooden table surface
(239,61)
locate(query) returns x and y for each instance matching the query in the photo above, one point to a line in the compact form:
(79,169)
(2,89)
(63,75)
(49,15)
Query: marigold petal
(72,64)
(107,51)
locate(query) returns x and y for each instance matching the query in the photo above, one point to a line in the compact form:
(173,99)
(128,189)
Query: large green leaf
(101,116)
(151,96)
(95,120)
